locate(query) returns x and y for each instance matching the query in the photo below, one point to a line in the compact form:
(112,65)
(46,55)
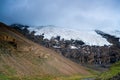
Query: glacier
(90,37)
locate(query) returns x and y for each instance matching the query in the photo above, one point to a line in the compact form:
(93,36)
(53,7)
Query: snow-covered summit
(90,37)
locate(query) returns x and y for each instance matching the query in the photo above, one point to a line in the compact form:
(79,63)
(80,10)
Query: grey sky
(78,14)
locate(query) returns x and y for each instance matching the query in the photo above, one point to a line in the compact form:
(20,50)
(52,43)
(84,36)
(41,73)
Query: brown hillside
(20,56)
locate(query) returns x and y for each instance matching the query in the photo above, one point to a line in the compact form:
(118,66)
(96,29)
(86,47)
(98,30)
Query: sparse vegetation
(113,71)
(10,70)
(75,77)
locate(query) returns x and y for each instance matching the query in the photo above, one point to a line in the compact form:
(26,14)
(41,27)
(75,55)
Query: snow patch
(73,47)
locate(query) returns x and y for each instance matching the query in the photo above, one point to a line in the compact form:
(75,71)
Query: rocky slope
(22,57)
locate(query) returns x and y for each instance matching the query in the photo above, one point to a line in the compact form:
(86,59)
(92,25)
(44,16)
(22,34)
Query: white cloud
(82,14)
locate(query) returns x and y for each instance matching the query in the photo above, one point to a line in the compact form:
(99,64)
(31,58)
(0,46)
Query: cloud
(79,14)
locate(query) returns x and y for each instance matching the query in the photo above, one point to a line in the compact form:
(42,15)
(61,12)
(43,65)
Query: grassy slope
(113,71)
(29,59)
(75,77)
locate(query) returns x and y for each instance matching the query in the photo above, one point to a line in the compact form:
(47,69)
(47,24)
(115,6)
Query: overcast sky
(78,14)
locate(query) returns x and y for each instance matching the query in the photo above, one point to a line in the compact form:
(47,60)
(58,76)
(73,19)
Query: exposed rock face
(7,38)
(92,54)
